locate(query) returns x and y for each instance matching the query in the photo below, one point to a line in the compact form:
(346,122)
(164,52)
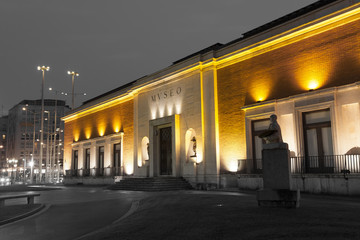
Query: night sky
(112,42)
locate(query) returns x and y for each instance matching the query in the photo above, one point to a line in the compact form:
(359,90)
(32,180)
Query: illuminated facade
(199,118)
(3,138)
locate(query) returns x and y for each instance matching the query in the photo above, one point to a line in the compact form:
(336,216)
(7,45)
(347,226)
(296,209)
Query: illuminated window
(87,158)
(4,136)
(117,160)
(75,160)
(318,141)
(101,161)
(258,127)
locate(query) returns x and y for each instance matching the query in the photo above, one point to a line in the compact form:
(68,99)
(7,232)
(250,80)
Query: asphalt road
(72,212)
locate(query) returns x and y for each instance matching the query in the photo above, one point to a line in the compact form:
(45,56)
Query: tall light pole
(73,74)
(43,69)
(55,155)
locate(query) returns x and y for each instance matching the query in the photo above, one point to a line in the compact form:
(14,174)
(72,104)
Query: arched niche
(189,145)
(145,149)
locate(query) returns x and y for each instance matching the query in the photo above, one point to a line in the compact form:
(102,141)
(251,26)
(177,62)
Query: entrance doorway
(164,147)
(165,151)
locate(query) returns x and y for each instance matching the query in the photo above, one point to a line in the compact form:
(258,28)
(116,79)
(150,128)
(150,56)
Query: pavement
(184,215)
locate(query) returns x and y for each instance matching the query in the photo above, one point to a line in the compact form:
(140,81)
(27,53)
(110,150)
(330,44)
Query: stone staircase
(152,184)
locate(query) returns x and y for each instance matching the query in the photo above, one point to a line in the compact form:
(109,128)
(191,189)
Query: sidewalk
(11,213)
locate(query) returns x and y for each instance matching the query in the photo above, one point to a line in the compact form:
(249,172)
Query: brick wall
(106,121)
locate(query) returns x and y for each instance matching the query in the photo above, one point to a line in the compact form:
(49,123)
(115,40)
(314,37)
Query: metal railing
(330,164)
(326,164)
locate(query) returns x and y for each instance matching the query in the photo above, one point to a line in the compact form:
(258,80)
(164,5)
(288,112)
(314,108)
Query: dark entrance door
(165,151)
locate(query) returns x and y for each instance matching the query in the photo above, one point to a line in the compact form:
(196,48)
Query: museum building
(200,117)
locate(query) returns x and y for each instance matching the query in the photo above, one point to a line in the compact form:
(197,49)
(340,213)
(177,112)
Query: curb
(22,216)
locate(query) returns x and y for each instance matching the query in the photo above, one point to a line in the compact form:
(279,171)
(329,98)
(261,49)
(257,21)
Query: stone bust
(273,134)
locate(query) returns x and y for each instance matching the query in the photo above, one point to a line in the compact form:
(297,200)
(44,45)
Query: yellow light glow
(88,134)
(199,157)
(116,126)
(139,162)
(260,95)
(129,168)
(260,86)
(313,84)
(312,74)
(76,135)
(116,122)
(101,127)
(170,109)
(161,111)
(233,166)
(216,106)
(178,108)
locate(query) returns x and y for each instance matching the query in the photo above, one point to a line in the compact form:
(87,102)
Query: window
(86,171)
(117,160)
(87,158)
(101,160)
(75,159)
(318,141)
(258,127)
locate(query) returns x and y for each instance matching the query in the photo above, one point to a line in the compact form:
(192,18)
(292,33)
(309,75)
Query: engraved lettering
(166,94)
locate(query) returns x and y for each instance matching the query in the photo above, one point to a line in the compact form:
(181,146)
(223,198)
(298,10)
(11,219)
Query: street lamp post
(43,69)
(73,74)
(55,153)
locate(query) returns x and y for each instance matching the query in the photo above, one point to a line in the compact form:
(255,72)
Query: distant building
(3,138)
(23,145)
(201,117)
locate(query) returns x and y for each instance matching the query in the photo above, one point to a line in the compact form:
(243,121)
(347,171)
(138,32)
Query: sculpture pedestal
(284,198)
(277,178)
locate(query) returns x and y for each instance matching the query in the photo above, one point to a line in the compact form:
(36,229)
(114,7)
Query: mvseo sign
(172,92)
